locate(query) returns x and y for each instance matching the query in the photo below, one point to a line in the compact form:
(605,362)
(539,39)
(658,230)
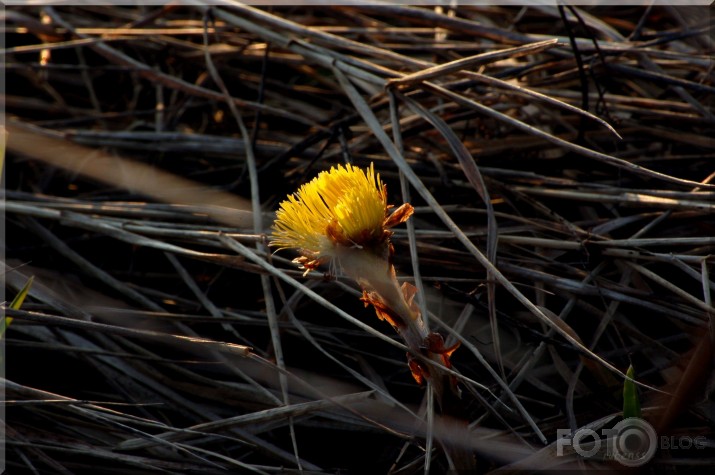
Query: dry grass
(560,164)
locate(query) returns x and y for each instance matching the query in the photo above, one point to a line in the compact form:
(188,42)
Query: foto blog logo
(632,442)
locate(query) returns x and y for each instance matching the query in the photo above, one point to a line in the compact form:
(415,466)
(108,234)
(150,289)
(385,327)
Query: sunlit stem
(376,275)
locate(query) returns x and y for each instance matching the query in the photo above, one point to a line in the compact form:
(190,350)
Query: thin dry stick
(56,320)
(463,63)
(266,415)
(602,157)
(421,298)
(257,228)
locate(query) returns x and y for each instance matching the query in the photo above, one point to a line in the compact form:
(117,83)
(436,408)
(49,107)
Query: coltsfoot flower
(341,217)
(344,207)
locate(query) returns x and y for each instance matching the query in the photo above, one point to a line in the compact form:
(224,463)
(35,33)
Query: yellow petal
(345,205)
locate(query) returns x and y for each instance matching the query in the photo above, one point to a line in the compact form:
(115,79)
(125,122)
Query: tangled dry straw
(560,165)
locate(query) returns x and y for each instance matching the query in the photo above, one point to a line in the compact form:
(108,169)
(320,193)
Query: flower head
(346,206)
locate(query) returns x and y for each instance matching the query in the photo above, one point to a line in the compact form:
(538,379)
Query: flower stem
(394,303)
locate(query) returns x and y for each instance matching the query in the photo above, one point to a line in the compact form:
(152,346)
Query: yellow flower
(341,216)
(345,206)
